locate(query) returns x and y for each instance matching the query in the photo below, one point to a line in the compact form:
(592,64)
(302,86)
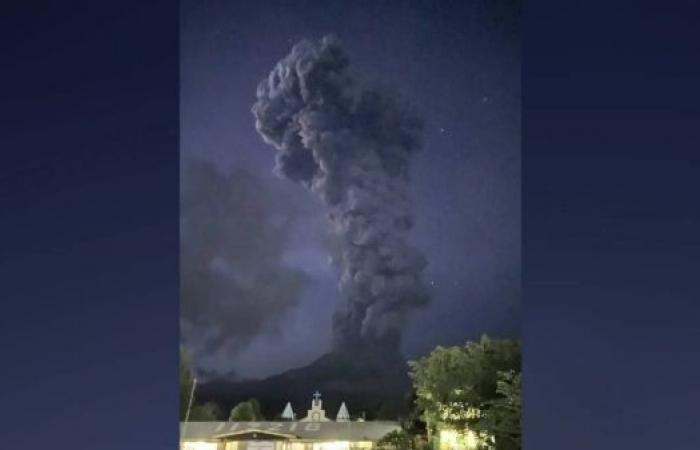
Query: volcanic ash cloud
(235,285)
(352,146)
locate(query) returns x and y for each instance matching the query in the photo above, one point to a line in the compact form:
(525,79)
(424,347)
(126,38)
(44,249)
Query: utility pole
(189,405)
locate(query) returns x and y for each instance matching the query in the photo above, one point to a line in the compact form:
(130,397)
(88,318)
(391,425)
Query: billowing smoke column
(352,146)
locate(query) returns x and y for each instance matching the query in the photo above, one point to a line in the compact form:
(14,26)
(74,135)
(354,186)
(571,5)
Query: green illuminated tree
(467,386)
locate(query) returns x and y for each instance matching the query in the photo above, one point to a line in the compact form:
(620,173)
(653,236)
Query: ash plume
(234,282)
(351,145)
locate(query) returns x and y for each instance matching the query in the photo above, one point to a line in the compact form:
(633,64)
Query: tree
(198,412)
(459,386)
(248,411)
(505,411)
(205,412)
(257,410)
(413,421)
(397,440)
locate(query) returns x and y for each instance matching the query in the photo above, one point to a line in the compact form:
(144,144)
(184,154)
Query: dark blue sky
(458,65)
(611,248)
(88,216)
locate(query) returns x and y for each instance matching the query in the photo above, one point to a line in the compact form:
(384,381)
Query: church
(315,431)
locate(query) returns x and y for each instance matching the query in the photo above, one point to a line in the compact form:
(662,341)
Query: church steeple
(316,413)
(316,402)
(343,414)
(288,413)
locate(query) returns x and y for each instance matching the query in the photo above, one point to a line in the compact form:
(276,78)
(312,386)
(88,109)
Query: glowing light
(194,445)
(471,440)
(334,445)
(453,439)
(449,439)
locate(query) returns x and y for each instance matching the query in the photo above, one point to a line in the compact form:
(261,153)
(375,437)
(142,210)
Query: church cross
(317,395)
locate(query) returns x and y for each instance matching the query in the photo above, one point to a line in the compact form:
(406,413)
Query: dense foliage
(505,410)
(248,411)
(476,386)
(397,440)
(205,412)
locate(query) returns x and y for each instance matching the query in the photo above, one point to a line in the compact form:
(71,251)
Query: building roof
(322,431)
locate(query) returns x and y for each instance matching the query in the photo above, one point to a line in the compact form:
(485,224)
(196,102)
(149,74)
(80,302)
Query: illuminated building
(313,432)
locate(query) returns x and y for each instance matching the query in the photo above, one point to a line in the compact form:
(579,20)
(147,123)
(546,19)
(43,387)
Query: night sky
(457,64)
(88,186)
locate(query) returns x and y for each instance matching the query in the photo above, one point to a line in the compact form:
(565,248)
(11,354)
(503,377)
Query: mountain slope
(375,384)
